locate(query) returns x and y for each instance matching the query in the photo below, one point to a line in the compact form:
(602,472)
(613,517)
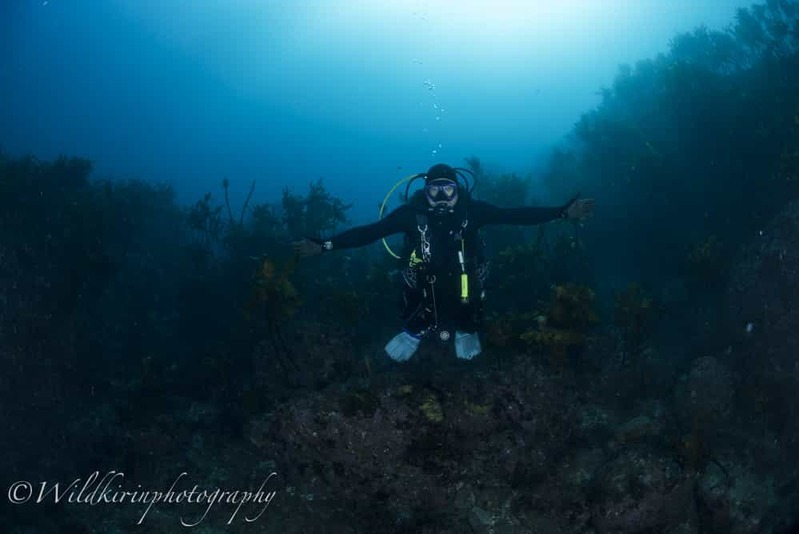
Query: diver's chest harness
(421,271)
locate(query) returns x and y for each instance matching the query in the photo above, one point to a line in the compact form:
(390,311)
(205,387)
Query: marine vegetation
(274,301)
(156,338)
(561,328)
(314,214)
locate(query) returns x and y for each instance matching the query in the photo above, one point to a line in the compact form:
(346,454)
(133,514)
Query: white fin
(402,347)
(467,346)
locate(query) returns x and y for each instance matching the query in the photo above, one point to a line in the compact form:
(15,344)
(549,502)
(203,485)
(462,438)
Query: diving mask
(441,193)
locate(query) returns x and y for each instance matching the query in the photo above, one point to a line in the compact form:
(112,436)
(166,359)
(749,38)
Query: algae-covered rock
(642,491)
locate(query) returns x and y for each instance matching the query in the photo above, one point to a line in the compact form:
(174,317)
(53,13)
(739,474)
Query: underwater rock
(684,528)
(764,286)
(480,521)
(541,525)
(650,376)
(579,472)
(704,396)
(763,323)
(595,424)
(739,501)
(637,429)
(641,491)
(418,456)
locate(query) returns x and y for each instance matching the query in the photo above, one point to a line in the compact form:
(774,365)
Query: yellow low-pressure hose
(385,201)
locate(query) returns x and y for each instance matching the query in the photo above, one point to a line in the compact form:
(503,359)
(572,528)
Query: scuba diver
(443,269)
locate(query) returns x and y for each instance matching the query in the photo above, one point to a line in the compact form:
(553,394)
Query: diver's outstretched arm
(394,222)
(576,208)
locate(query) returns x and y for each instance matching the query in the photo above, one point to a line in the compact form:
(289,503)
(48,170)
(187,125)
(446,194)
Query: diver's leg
(467,340)
(417,323)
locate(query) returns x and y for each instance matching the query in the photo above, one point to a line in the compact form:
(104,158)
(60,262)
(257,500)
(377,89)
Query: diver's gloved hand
(467,346)
(578,208)
(306,248)
(402,346)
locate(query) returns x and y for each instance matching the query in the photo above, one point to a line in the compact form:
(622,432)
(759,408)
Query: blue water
(357,93)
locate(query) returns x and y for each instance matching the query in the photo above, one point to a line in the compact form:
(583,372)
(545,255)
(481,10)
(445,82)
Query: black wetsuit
(433,293)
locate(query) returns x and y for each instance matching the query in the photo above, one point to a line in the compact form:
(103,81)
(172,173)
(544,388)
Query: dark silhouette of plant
(231,221)
(697,141)
(206,221)
(274,301)
(87,272)
(315,214)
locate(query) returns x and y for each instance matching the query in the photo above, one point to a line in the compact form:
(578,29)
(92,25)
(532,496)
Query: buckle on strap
(421,225)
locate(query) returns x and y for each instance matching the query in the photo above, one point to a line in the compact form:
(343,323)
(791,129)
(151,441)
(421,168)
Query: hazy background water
(356,92)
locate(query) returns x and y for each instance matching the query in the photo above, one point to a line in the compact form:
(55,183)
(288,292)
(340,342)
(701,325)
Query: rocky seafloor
(684,438)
